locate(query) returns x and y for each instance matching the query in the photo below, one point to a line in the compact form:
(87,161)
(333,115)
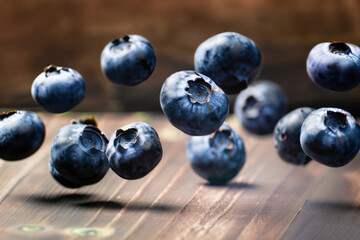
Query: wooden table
(269,199)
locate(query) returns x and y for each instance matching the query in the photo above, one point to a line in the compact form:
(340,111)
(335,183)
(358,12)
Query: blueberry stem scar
(90,135)
(339,47)
(125,138)
(335,120)
(51,69)
(7,114)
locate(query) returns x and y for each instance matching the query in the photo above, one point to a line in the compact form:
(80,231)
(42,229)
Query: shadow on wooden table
(87,201)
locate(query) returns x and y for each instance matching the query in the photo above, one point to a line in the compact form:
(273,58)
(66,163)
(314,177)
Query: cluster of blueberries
(196,103)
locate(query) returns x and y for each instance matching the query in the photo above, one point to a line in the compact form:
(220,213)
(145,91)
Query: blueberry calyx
(49,70)
(338,47)
(125,138)
(199,91)
(221,140)
(335,121)
(7,114)
(93,138)
(251,108)
(87,121)
(117,41)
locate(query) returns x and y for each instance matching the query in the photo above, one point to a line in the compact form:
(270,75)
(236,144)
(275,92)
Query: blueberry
(58,89)
(287,136)
(21,134)
(193,103)
(334,66)
(232,60)
(260,106)
(134,150)
(330,136)
(129,60)
(217,157)
(78,155)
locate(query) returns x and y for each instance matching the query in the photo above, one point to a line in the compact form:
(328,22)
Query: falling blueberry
(217,157)
(134,150)
(78,155)
(58,89)
(21,134)
(193,103)
(260,106)
(287,136)
(334,66)
(129,60)
(232,60)
(330,136)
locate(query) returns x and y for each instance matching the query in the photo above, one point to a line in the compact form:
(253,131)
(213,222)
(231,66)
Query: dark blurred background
(72,33)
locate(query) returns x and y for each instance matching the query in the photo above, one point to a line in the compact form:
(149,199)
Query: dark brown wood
(269,199)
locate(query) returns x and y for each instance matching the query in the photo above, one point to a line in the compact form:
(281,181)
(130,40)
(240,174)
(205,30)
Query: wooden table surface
(269,199)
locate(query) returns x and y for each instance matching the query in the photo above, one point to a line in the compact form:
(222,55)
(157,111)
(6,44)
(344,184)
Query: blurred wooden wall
(36,33)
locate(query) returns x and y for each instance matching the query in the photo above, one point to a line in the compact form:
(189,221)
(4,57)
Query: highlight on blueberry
(129,60)
(217,157)
(134,150)
(21,134)
(287,136)
(193,103)
(58,89)
(260,106)
(78,155)
(330,136)
(232,60)
(334,66)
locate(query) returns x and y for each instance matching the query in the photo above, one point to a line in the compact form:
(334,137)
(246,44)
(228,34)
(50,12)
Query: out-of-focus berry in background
(68,33)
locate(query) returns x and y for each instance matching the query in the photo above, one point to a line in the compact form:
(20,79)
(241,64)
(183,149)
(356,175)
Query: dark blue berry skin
(260,106)
(334,66)
(232,60)
(134,150)
(58,89)
(218,157)
(78,155)
(60,179)
(330,136)
(21,134)
(129,60)
(193,103)
(287,136)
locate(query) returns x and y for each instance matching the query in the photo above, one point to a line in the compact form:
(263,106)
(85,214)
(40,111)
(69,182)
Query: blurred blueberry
(21,134)
(260,106)
(330,136)
(334,66)
(78,155)
(287,136)
(217,157)
(193,103)
(58,89)
(232,60)
(129,60)
(134,150)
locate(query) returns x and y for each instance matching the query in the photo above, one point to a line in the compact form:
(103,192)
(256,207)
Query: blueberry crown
(7,114)
(93,138)
(339,47)
(125,138)
(49,70)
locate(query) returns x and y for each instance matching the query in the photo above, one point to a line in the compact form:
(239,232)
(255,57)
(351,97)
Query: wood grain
(269,199)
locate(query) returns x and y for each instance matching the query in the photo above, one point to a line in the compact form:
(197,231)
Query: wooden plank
(284,204)
(221,213)
(332,210)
